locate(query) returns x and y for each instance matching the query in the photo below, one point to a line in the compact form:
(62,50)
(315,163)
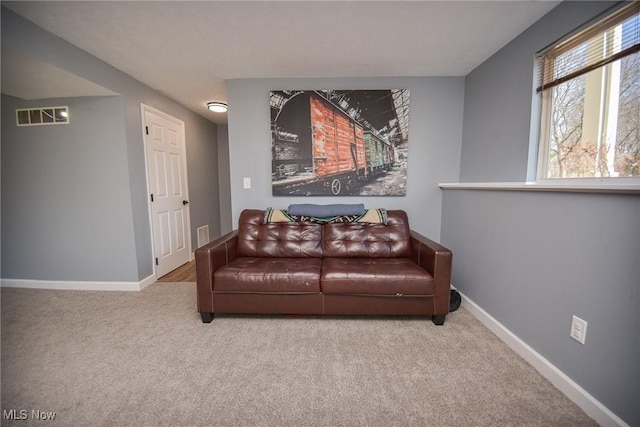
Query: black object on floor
(454,300)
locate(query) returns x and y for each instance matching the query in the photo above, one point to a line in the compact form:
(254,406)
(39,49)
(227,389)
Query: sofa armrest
(437,260)
(209,258)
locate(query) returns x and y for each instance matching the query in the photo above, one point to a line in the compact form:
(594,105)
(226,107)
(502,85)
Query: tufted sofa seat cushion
(272,275)
(380,276)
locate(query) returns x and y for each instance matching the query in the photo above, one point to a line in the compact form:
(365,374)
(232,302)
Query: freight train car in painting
(320,149)
(380,154)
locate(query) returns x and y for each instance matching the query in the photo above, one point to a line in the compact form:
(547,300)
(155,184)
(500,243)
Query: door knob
(185,202)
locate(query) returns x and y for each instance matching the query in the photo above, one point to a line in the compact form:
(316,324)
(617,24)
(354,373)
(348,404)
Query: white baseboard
(589,404)
(77,286)
(147,281)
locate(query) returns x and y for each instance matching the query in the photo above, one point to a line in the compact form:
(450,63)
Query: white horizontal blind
(592,48)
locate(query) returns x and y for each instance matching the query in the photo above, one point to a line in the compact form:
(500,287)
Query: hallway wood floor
(186,273)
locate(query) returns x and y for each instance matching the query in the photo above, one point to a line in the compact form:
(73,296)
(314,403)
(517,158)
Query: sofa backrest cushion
(390,240)
(286,240)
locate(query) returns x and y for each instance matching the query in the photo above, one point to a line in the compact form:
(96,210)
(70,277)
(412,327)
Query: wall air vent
(203,235)
(42,116)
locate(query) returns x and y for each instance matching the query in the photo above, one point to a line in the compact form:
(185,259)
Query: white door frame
(166,116)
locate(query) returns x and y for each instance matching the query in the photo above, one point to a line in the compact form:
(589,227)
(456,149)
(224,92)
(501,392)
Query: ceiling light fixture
(217,107)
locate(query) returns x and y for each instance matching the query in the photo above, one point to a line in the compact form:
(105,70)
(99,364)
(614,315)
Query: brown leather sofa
(314,269)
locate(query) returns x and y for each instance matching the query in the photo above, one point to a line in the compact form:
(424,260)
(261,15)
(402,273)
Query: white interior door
(167,181)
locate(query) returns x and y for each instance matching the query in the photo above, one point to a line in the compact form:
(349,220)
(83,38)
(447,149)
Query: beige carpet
(145,359)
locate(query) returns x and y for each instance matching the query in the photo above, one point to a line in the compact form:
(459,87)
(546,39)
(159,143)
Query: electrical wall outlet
(578,329)
(246,183)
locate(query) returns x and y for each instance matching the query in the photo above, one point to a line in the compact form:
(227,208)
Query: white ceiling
(187,49)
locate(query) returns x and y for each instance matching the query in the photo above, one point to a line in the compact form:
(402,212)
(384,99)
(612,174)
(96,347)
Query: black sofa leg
(438,319)
(206,317)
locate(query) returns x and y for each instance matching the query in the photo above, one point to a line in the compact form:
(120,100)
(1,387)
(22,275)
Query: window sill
(533,186)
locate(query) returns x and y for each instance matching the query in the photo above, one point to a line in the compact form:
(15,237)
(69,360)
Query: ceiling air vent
(42,116)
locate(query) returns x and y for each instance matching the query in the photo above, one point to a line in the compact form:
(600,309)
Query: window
(590,87)
(42,116)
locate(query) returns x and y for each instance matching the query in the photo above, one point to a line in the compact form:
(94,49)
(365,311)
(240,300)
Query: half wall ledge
(543,187)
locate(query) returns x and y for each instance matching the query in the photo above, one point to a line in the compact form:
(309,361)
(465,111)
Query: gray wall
(532,260)
(434,144)
(201,142)
(66,205)
(500,91)
(226,222)
(204,188)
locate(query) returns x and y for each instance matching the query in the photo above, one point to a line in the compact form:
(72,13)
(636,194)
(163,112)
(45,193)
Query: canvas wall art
(339,142)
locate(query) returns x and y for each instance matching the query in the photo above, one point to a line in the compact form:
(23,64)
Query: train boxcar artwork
(318,148)
(380,154)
